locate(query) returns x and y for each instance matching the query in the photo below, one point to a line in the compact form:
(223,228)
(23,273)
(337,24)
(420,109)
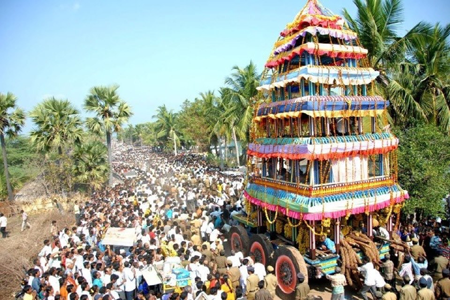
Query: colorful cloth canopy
(323,106)
(324,151)
(322,74)
(340,51)
(334,206)
(288,43)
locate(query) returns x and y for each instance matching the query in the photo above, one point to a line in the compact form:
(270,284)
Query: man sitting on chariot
(326,244)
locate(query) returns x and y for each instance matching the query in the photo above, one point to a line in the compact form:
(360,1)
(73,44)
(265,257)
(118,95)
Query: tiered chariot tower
(322,157)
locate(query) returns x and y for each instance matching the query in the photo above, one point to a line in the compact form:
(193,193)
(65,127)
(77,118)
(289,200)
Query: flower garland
(267,217)
(289,220)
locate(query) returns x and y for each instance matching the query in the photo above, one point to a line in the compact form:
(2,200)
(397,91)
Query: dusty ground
(20,248)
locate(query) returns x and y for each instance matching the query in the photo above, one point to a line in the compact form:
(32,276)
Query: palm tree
(223,126)
(150,135)
(212,112)
(111,113)
(139,131)
(377,23)
(420,86)
(127,134)
(238,100)
(91,164)
(413,69)
(12,120)
(167,126)
(57,124)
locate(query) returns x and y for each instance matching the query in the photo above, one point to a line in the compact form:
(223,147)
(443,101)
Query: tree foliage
(91,164)
(22,160)
(195,123)
(12,119)
(424,167)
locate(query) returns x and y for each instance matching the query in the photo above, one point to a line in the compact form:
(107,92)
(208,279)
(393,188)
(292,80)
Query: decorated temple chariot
(322,162)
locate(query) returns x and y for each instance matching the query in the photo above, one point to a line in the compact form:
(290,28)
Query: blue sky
(159,52)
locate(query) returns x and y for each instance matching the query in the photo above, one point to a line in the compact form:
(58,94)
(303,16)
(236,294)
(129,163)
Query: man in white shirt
(195,252)
(106,278)
(46,250)
(244,274)
(74,236)
(214,235)
(85,290)
(367,270)
(234,259)
(129,276)
(204,227)
(145,238)
(193,267)
(203,269)
(260,270)
(78,260)
(64,237)
(3,224)
(86,272)
(53,280)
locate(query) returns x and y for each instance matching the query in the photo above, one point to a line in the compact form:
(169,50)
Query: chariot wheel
(261,249)
(238,240)
(288,263)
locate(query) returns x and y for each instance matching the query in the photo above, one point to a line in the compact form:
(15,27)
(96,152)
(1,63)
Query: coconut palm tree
(413,69)
(149,135)
(57,124)
(127,134)
(12,120)
(420,85)
(377,23)
(167,126)
(139,132)
(238,99)
(111,113)
(212,112)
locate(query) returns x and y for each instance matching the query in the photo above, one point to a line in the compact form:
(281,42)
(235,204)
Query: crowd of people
(419,272)
(181,210)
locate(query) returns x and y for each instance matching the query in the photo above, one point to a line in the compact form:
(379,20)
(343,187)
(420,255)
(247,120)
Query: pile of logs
(350,261)
(368,247)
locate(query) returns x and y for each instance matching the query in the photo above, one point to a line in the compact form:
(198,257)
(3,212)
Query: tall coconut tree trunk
(226,148)
(5,167)
(221,154)
(215,149)
(175,143)
(108,144)
(236,147)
